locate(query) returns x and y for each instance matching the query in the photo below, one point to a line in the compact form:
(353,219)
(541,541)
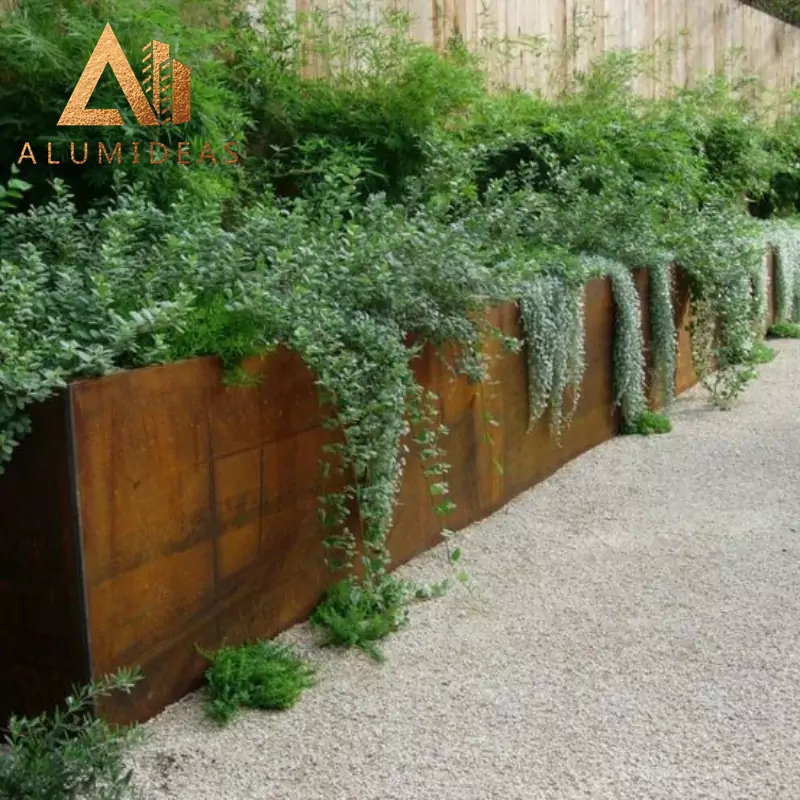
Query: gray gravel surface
(634,632)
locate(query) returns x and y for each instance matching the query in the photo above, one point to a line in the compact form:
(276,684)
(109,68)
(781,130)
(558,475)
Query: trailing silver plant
(551,311)
(629,365)
(785,239)
(662,324)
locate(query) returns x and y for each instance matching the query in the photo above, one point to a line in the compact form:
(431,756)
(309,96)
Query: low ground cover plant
(784,330)
(264,675)
(762,353)
(648,423)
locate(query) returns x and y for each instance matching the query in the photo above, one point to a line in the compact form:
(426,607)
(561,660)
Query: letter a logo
(171,102)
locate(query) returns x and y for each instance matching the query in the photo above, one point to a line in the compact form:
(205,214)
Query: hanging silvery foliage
(552,322)
(629,366)
(662,327)
(785,239)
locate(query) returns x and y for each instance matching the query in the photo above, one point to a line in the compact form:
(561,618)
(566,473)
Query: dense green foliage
(69,754)
(786,10)
(357,617)
(762,354)
(648,423)
(262,675)
(784,330)
(13,191)
(383,207)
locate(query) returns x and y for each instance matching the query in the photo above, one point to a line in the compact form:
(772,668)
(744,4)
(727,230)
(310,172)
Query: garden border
(187,516)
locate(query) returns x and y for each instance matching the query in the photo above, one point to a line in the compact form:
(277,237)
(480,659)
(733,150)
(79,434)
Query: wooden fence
(542,44)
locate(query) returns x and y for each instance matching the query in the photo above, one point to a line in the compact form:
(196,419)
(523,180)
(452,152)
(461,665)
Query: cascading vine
(551,311)
(662,324)
(735,312)
(629,364)
(785,239)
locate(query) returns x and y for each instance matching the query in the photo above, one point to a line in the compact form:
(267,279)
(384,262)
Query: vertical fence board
(576,32)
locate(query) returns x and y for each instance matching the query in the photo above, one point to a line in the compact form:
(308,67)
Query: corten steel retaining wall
(155,510)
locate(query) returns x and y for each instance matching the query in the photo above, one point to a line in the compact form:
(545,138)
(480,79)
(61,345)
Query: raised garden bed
(155,510)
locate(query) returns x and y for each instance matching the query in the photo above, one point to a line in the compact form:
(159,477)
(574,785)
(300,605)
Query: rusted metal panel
(685,375)
(40,589)
(198,503)
(772,288)
(531,456)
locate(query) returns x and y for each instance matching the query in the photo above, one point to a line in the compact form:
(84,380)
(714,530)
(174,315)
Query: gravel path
(634,633)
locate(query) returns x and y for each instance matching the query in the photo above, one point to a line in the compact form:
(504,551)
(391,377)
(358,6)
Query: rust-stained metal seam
(77,533)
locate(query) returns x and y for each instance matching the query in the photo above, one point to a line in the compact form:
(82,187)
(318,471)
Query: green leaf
(447,507)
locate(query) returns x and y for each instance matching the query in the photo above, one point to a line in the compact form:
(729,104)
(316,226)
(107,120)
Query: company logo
(162,98)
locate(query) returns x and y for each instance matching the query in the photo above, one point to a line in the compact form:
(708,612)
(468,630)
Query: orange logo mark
(167,81)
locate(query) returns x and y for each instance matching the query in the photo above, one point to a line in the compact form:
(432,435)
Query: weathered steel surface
(199,511)
(685,375)
(198,503)
(40,604)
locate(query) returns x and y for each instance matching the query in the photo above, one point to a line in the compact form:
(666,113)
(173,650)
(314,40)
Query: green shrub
(70,753)
(647,423)
(762,354)
(358,615)
(264,675)
(383,95)
(784,330)
(13,191)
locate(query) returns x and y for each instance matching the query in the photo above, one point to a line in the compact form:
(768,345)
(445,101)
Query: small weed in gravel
(356,615)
